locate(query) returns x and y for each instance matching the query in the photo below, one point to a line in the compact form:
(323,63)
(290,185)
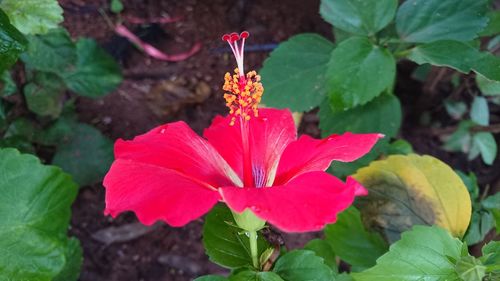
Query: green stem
(253,248)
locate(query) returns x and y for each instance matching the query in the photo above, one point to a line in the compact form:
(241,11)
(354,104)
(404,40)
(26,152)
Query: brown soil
(155,92)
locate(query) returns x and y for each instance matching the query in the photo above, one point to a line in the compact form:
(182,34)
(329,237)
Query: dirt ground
(155,92)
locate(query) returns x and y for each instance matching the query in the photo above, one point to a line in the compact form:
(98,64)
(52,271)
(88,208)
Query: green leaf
(294,74)
(358,71)
(456,109)
(300,265)
(493,27)
(459,56)
(422,254)
(21,127)
(33,16)
(352,243)
(74,259)
(18,142)
(492,202)
(7,85)
(59,132)
(357,16)
(12,42)
(399,147)
(211,278)
(34,217)
(52,52)
(491,253)
(323,250)
(461,139)
(225,243)
(480,112)
(116,6)
(381,115)
(249,275)
(471,269)
(87,155)
(481,223)
(432,20)
(488,87)
(487,146)
(470,182)
(44,95)
(96,73)
(406,190)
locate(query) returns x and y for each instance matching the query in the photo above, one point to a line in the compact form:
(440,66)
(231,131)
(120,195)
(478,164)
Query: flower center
(243,92)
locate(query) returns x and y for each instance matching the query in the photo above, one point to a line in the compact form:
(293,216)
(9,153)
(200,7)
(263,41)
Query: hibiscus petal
(175,146)
(306,203)
(156,193)
(270,133)
(307,154)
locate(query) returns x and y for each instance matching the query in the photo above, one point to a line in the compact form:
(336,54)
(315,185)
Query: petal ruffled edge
(156,193)
(308,154)
(306,203)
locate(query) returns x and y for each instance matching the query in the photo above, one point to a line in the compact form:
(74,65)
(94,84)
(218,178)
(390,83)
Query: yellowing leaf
(407,190)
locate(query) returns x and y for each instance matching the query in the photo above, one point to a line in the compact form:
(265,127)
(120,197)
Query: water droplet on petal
(162,131)
(255,208)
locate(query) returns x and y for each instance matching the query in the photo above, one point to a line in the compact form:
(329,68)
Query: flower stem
(253,248)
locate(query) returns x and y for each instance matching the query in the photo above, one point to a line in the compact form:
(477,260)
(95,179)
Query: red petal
(175,146)
(270,133)
(306,203)
(156,193)
(308,154)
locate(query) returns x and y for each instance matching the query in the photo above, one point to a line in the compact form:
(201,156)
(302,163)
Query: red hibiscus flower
(250,160)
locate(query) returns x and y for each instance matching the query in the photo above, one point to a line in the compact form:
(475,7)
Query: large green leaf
(300,265)
(459,56)
(33,16)
(74,259)
(86,155)
(52,52)
(294,75)
(358,71)
(352,243)
(431,20)
(493,27)
(381,115)
(405,190)
(225,243)
(12,42)
(249,275)
(424,253)
(34,217)
(96,73)
(358,17)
